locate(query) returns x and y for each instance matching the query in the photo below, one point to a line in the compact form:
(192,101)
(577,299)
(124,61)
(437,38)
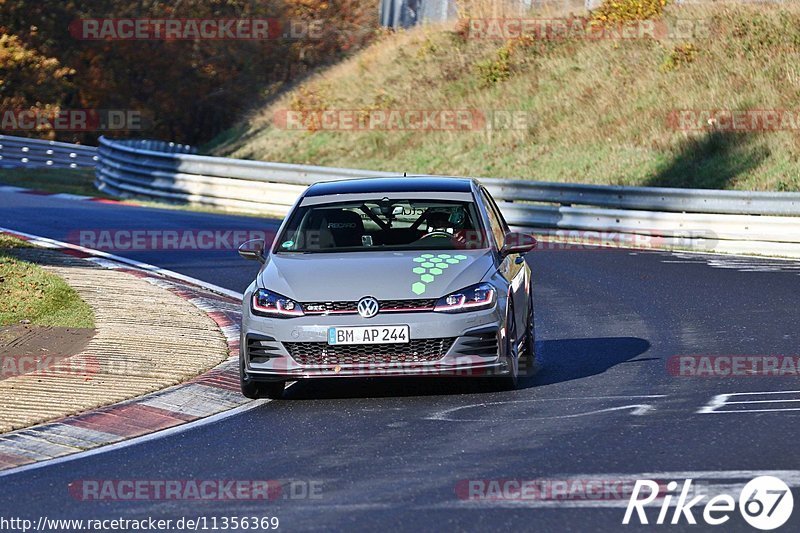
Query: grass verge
(72,181)
(28,292)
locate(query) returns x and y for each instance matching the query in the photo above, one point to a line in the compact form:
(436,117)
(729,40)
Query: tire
(272,389)
(527,361)
(510,381)
(255,390)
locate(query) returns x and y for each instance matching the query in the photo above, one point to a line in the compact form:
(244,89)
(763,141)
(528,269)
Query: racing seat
(342,228)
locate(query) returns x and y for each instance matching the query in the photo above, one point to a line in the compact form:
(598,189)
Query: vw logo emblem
(368,307)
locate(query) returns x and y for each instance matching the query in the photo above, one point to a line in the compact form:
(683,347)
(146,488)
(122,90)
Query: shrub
(614,11)
(683,54)
(493,71)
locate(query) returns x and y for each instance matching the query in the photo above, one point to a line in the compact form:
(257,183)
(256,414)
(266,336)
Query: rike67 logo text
(765,503)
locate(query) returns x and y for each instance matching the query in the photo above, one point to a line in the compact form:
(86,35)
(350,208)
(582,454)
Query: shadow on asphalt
(568,359)
(557,361)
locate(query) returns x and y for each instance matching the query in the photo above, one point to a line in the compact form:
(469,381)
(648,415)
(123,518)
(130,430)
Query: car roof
(393,184)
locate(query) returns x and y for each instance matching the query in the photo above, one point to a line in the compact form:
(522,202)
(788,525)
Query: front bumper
(472,341)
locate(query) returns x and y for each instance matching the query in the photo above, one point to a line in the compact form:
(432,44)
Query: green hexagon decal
(429,266)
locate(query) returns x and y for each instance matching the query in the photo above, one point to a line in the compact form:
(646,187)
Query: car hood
(383,275)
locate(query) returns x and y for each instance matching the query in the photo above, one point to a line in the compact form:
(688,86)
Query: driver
(439,222)
(453,223)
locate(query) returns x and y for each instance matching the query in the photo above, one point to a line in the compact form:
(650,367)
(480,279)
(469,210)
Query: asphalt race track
(394,455)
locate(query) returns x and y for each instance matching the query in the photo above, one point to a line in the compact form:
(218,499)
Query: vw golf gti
(417,276)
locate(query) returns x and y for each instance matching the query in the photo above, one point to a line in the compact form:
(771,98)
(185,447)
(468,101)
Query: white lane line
(740,411)
(69,196)
(52,243)
(762,401)
(719,401)
(136,440)
(636,409)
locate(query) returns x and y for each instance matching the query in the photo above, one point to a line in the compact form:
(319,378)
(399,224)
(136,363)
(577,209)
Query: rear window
(377,225)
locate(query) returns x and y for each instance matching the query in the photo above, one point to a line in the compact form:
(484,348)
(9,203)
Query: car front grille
(386,306)
(416,351)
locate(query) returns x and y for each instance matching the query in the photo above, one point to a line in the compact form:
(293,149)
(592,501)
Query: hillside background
(601,108)
(597,110)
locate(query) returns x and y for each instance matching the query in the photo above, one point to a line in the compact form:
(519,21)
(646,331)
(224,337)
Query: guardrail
(36,153)
(711,220)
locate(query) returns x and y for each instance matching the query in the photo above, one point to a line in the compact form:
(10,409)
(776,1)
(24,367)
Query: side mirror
(518,243)
(253,250)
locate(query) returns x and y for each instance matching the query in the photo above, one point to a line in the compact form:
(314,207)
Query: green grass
(28,292)
(600,108)
(73,181)
(7,242)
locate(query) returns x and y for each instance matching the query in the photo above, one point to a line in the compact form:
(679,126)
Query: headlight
(481,296)
(267,303)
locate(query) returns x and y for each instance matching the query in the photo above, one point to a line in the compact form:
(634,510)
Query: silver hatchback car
(388,277)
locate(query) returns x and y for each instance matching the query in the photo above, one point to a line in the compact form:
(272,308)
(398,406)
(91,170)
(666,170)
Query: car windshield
(383,224)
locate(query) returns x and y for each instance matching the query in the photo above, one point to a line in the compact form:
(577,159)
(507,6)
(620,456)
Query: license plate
(368,335)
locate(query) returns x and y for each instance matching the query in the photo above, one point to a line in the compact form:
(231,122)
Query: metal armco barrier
(710,220)
(36,153)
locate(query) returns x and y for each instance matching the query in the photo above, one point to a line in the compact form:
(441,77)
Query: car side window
(499,213)
(495,220)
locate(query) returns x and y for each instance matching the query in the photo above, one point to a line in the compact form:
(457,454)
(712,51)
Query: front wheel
(511,380)
(272,389)
(255,390)
(527,362)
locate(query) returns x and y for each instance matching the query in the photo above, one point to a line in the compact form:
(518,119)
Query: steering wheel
(436,233)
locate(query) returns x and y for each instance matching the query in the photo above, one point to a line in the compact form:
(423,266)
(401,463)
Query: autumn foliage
(189,90)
